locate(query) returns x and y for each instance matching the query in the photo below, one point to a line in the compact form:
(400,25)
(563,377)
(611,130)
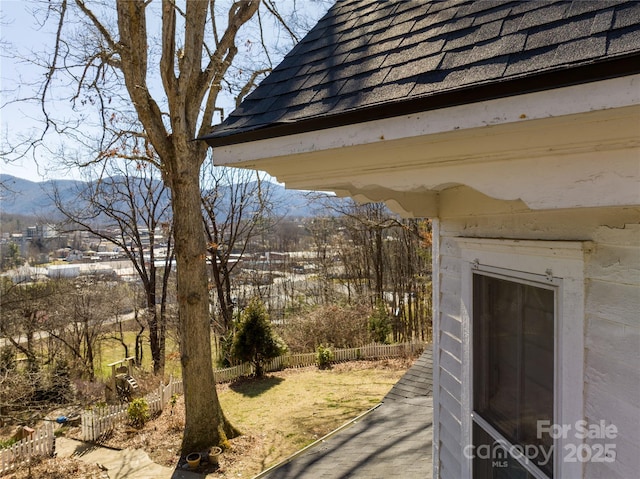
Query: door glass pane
(513,335)
(492,461)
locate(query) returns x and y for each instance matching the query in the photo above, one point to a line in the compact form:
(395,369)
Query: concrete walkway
(393,440)
(128,463)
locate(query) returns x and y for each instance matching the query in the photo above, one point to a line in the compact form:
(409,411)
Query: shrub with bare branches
(330,325)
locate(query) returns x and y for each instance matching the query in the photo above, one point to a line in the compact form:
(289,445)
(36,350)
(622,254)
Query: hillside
(27,198)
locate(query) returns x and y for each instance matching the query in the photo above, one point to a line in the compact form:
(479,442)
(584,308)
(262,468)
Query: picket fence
(301,360)
(101,420)
(40,443)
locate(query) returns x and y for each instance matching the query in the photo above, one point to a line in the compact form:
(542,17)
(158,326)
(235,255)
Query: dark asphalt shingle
(414,68)
(624,40)
(364,53)
(547,13)
(559,33)
(582,49)
(406,54)
(416,382)
(627,15)
(602,21)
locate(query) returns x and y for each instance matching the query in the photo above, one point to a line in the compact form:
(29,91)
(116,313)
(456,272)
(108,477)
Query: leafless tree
(28,386)
(386,260)
(24,310)
(408,252)
(76,319)
(323,233)
(166,66)
(364,226)
(123,300)
(287,236)
(235,204)
(130,209)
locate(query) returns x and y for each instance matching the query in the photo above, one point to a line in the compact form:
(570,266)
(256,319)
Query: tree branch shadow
(254,387)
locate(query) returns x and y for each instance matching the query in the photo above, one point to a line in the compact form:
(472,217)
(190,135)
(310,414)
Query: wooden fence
(40,443)
(101,420)
(234,372)
(301,360)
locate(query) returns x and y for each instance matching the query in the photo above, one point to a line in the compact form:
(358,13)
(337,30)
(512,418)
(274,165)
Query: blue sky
(21,35)
(18,31)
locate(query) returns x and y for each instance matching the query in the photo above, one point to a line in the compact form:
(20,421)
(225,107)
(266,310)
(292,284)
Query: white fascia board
(571,147)
(596,96)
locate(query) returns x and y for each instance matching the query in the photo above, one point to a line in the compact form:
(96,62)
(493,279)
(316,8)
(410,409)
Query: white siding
(612,344)
(611,327)
(448,348)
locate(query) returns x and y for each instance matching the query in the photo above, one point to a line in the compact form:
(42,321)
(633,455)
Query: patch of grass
(111,350)
(290,409)
(255,387)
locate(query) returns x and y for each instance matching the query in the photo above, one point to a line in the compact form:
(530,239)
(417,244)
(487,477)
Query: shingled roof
(368,59)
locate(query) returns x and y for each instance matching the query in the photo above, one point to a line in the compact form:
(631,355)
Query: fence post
(40,442)
(52,439)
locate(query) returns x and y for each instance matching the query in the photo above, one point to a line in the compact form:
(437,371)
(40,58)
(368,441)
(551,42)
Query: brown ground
(257,448)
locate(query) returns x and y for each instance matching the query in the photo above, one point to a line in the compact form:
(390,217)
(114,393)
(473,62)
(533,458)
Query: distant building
(63,271)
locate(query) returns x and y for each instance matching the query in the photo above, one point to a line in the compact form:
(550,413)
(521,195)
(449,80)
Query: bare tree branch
(244,91)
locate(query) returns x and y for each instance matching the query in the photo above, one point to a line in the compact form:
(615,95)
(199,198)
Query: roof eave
(611,68)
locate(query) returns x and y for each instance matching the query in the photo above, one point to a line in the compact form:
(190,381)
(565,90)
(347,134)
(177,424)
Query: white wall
(612,345)
(612,322)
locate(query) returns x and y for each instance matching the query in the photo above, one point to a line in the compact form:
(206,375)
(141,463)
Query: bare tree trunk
(206,424)
(153,318)
(121,340)
(379,263)
(223,290)
(89,361)
(138,345)
(162,345)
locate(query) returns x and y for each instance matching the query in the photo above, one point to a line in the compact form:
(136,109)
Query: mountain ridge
(20,196)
